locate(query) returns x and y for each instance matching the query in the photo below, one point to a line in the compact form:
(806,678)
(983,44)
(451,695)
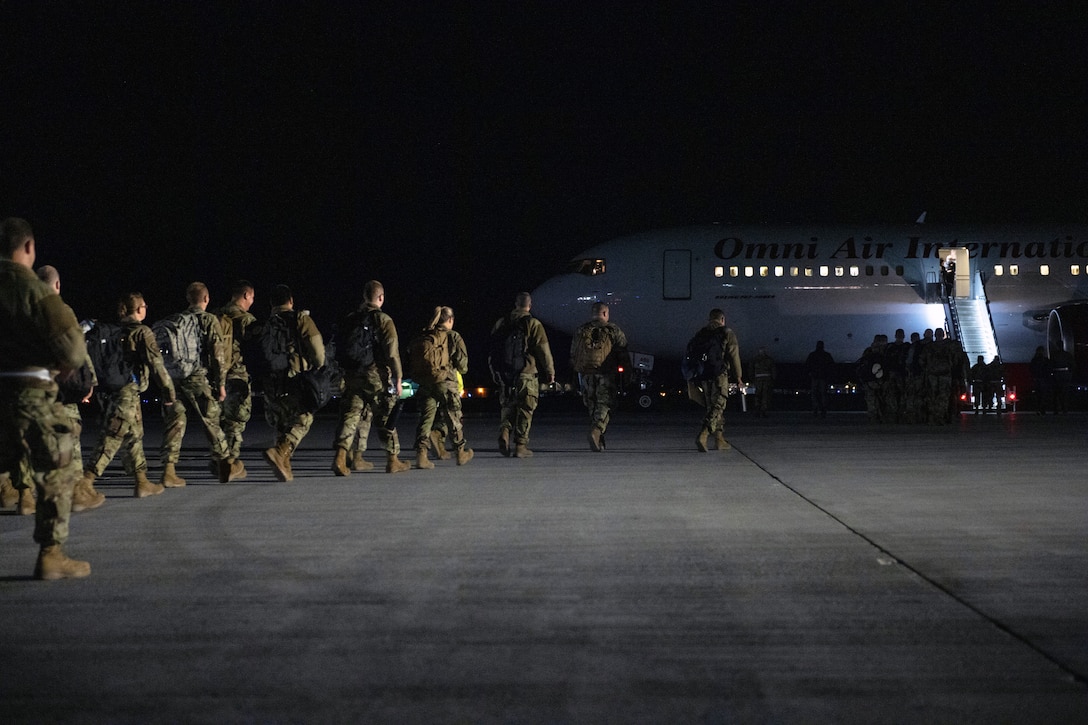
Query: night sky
(463,152)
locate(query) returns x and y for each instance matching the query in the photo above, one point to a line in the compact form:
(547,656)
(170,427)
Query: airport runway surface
(821,571)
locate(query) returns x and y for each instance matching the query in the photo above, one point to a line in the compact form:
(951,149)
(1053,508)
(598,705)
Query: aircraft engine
(1067,329)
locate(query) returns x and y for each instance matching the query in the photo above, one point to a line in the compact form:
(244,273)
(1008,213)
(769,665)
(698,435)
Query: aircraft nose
(555,302)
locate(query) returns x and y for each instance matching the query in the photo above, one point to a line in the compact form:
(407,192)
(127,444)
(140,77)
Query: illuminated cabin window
(808,271)
(588,267)
(1014,269)
(1044,270)
(840,271)
(795,271)
(719,271)
(734,271)
(764,271)
(824,271)
(1074,269)
(998,270)
(855,271)
(779,271)
(749,271)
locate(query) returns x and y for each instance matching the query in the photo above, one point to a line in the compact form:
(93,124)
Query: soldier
(764,372)
(39,338)
(122,415)
(75,389)
(871,374)
(438,390)
(914,396)
(943,365)
(237,407)
(370,355)
(597,352)
(715,345)
(983,394)
(202,391)
(459,369)
(894,390)
(520,393)
(292,344)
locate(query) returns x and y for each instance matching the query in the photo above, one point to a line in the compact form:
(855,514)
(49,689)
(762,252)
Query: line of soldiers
(913,382)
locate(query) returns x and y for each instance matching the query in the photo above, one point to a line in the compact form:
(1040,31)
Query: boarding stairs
(971,323)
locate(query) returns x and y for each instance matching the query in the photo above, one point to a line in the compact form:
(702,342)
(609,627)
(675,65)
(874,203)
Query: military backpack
(429,356)
(357,349)
(509,350)
(592,346)
(704,356)
(107,346)
(179,339)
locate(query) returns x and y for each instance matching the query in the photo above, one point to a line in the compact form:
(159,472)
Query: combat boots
(395,465)
(421,458)
(700,440)
(721,442)
(170,477)
(522,451)
(145,487)
(54,564)
(438,441)
(358,463)
(504,442)
(84,495)
(464,454)
(280,460)
(595,439)
(340,464)
(28,504)
(9,496)
(235,471)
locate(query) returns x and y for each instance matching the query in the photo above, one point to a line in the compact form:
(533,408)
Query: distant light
(620,369)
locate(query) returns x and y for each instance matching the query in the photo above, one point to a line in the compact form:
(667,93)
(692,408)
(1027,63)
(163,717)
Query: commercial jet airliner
(1000,290)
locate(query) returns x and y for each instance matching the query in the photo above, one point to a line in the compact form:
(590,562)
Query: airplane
(1002,290)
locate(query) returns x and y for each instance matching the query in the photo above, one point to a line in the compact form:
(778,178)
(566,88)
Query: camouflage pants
(195,394)
(518,403)
(36,437)
(716,395)
(938,399)
(439,401)
(283,414)
(600,395)
(234,414)
(366,396)
(122,429)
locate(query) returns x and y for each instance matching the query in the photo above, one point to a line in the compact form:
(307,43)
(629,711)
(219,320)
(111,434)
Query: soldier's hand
(222,393)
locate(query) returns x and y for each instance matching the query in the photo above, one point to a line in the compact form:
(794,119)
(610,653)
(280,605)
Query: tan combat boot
(340,465)
(504,442)
(237,471)
(84,495)
(421,458)
(280,460)
(9,496)
(700,440)
(721,442)
(28,504)
(170,477)
(464,455)
(394,464)
(358,463)
(145,487)
(438,441)
(521,450)
(54,564)
(595,439)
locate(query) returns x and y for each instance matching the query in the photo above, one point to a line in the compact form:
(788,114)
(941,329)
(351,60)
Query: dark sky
(461,152)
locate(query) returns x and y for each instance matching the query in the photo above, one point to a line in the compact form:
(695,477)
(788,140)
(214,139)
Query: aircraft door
(676,274)
(958,283)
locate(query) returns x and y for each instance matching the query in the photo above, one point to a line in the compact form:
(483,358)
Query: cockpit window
(588,267)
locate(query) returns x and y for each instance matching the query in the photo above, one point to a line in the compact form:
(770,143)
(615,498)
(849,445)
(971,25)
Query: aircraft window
(824,271)
(854,271)
(748,272)
(808,271)
(764,271)
(719,271)
(1044,270)
(1074,269)
(588,267)
(998,270)
(899,270)
(779,271)
(869,270)
(795,271)
(734,271)
(1014,269)
(839,271)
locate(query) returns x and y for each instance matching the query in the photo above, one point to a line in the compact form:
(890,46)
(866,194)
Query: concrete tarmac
(820,571)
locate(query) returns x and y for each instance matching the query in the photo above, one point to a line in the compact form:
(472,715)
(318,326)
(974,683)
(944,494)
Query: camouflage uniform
(441,399)
(894,390)
(599,385)
(200,392)
(763,372)
(237,409)
(519,401)
(281,407)
(943,364)
(122,417)
(716,388)
(366,397)
(458,366)
(38,334)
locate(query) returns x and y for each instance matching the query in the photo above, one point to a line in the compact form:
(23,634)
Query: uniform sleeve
(64,336)
(458,353)
(312,342)
(542,352)
(149,356)
(620,354)
(219,356)
(732,354)
(391,346)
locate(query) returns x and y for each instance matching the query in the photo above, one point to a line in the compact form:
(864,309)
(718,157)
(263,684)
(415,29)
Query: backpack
(871,367)
(704,356)
(315,388)
(592,346)
(356,351)
(429,356)
(279,341)
(508,353)
(179,338)
(107,344)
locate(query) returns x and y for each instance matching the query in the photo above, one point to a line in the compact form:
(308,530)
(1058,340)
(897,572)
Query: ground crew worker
(372,384)
(520,398)
(39,338)
(598,350)
(440,398)
(122,416)
(721,360)
(305,351)
(201,391)
(237,407)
